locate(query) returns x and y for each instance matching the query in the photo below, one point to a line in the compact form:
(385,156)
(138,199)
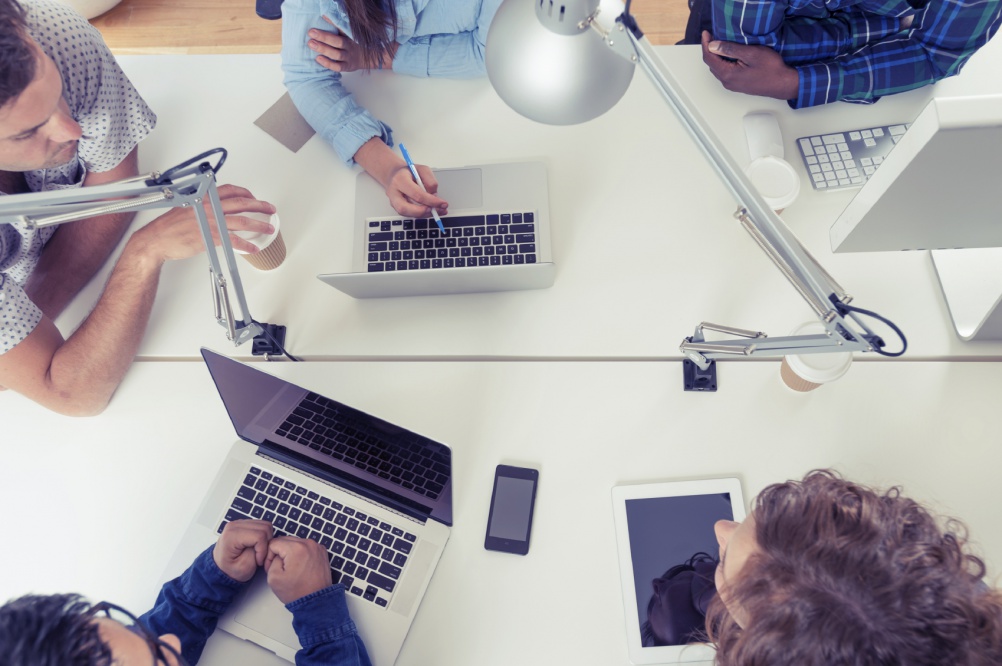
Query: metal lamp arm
(186,185)
(822,293)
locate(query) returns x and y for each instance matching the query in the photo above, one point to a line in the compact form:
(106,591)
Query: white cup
(271,247)
(807,372)
(776,180)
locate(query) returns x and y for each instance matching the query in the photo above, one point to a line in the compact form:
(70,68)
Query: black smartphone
(510,521)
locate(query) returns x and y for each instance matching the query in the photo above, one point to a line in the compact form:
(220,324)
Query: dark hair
(373,27)
(685,587)
(52,630)
(17,59)
(847,576)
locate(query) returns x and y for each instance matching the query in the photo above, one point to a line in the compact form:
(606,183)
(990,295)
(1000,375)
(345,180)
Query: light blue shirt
(441,38)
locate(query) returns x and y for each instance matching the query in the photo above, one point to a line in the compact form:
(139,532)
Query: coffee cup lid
(818,368)
(776,180)
(260,240)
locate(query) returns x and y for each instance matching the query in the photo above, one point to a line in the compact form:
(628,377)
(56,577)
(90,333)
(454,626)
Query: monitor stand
(971,280)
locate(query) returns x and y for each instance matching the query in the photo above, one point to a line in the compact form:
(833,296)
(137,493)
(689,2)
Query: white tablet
(667,557)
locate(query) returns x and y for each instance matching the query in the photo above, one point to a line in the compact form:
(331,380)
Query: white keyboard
(847,159)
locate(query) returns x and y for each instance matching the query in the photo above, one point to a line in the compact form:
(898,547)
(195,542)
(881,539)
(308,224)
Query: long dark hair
(373,27)
(846,576)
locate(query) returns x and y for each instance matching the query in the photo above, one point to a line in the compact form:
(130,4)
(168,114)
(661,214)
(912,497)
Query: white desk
(613,298)
(116,492)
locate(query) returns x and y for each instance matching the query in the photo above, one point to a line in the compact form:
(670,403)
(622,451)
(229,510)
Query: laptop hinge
(336,479)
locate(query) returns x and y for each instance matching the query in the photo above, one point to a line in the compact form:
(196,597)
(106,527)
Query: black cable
(875,340)
(165,177)
(631,23)
(274,341)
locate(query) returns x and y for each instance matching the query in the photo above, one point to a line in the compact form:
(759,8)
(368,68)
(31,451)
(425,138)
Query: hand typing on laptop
(66,629)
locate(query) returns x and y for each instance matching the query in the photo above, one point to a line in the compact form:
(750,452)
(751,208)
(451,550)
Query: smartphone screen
(510,521)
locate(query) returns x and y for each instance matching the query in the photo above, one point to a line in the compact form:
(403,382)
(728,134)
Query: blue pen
(417,179)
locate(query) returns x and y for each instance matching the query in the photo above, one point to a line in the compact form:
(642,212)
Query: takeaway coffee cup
(271,247)
(809,371)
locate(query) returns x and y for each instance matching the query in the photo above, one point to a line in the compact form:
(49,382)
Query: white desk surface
(614,298)
(107,499)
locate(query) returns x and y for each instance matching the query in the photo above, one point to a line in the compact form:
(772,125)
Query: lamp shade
(547,67)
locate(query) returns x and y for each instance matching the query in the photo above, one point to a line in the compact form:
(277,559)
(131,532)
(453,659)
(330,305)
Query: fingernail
(313,45)
(313,33)
(714,46)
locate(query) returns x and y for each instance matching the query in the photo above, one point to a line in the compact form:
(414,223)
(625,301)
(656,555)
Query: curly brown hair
(847,576)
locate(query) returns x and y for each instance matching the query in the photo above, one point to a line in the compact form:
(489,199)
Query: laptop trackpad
(462,188)
(260,610)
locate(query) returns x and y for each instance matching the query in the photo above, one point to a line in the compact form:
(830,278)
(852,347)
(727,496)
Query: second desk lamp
(551,61)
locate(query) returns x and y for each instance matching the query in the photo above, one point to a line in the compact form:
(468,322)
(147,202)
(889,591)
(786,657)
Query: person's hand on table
(339,54)
(242,548)
(750,69)
(407,197)
(176,234)
(296,567)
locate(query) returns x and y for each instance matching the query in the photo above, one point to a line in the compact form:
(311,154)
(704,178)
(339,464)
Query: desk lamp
(551,61)
(190,183)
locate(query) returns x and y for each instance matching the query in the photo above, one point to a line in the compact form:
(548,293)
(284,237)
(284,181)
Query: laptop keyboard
(403,244)
(367,555)
(324,425)
(847,159)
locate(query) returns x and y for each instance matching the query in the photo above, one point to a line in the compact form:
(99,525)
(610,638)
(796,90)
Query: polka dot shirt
(113,119)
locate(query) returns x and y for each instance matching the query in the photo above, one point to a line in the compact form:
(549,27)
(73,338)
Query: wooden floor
(231,26)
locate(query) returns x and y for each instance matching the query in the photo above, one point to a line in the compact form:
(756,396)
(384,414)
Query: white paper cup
(776,180)
(271,247)
(807,372)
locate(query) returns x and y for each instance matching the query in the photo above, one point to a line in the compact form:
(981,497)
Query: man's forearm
(92,361)
(78,376)
(79,249)
(71,258)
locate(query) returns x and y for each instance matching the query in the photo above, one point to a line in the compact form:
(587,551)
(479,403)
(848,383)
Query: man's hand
(296,568)
(176,235)
(753,70)
(339,54)
(242,548)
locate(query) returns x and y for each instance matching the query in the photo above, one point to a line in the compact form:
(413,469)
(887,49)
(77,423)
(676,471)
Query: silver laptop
(377,496)
(497,236)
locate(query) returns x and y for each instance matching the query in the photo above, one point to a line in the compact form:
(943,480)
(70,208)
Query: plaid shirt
(856,50)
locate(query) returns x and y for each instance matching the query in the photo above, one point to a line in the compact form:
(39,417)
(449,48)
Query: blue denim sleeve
(316,91)
(325,630)
(190,605)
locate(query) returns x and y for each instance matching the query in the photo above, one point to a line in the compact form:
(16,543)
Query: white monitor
(938,188)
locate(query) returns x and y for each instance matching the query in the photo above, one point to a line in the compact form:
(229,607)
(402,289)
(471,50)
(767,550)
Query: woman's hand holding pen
(406,196)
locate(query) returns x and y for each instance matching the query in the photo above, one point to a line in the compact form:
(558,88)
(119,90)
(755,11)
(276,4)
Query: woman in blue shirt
(321,39)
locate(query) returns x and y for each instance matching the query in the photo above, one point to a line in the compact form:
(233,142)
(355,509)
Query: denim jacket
(190,605)
(437,38)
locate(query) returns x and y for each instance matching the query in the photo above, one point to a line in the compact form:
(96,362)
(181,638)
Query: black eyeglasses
(158,648)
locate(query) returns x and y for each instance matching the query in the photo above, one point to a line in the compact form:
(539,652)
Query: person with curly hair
(826,572)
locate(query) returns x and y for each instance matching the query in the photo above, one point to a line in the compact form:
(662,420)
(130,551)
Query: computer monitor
(938,188)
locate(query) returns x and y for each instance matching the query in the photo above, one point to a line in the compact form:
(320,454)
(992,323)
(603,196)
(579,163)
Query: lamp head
(548,64)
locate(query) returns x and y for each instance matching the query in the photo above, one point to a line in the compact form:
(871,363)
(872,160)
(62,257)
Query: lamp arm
(189,184)
(822,293)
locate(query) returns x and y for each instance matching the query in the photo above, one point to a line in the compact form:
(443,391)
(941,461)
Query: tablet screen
(674,553)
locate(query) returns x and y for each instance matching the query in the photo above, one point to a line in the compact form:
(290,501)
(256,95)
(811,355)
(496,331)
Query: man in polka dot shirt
(70,118)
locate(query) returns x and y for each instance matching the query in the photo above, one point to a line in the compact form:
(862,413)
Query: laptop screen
(359,452)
